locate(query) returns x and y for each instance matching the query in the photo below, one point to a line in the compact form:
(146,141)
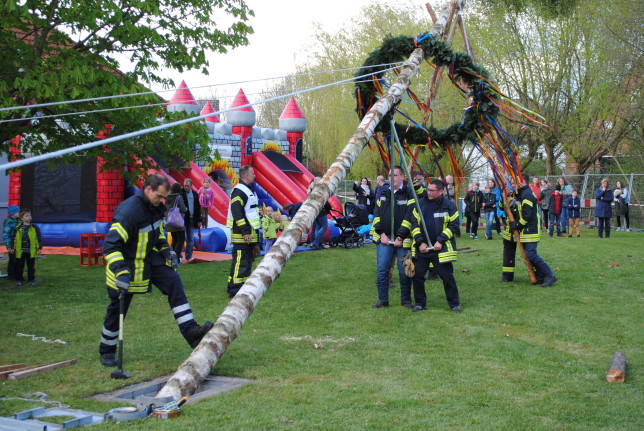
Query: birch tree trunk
(194,370)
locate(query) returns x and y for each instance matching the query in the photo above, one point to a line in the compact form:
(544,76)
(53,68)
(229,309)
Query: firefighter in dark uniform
(528,223)
(437,246)
(138,255)
(386,245)
(243,219)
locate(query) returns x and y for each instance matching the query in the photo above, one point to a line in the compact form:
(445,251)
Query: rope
(106,141)
(39,398)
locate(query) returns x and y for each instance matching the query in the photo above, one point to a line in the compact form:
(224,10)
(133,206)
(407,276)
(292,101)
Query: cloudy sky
(282,30)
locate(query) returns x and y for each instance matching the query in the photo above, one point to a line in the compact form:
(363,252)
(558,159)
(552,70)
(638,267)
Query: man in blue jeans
(392,237)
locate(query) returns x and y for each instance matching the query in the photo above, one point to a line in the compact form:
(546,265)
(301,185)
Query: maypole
(197,366)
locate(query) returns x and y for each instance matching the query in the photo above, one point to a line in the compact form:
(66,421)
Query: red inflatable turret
(183,100)
(243,120)
(293,122)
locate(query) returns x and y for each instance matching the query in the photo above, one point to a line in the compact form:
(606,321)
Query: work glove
(514,226)
(410,268)
(171,258)
(123,281)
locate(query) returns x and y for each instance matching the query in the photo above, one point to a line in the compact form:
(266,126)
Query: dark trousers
(541,268)
(240,267)
(509,252)
(178,239)
(545,218)
(603,225)
(472,225)
(444,270)
(169,283)
(31,267)
(11,266)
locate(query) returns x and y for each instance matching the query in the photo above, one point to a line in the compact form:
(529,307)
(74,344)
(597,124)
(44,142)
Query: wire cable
(65,151)
(146,93)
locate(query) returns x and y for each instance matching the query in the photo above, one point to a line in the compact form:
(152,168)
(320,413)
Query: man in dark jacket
(474,202)
(391,237)
(192,216)
(436,246)
(138,255)
(528,225)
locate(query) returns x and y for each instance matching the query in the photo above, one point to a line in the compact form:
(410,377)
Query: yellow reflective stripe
(508,269)
(239,238)
(406,224)
(527,201)
(237,264)
(376,219)
(114,257)
(416,231)
(120,230)
(139,256)
(237,199)
(407,243)
(453,216)
(240,222)
(448,233)
(410,202)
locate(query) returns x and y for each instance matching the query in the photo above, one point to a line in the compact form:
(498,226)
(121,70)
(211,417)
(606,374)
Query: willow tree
(579,69)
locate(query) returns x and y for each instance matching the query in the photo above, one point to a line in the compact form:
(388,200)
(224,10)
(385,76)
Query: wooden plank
(5,374)
(469,251)
(40,369)
(11,367)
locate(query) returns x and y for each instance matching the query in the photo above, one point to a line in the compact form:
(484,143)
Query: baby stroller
(355,216)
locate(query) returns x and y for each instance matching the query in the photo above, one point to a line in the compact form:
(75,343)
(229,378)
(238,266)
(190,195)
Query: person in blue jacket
(603,210)
(574,213)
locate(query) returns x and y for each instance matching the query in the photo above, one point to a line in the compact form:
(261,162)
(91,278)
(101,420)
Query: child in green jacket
(27,243)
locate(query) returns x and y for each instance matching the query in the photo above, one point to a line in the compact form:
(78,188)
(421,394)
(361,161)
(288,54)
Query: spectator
(206,200)
(192,217)
(364,195)
(178,234)
(555,205)
(536,189)
(500,214)
(489,209)
(622,199)
(382,184)
(566,190)
(26,244)
(450,193)
(473,210)
(12,220)
(270,224)
(574,213)
(603,211)
(544,194)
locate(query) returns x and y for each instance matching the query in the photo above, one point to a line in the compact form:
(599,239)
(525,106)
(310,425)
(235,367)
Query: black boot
(196,333)
(108,359)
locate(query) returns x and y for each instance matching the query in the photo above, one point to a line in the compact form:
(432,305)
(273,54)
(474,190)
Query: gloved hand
(123,281)
(514,226)
(171,257)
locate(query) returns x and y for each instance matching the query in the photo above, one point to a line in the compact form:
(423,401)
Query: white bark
(198,365)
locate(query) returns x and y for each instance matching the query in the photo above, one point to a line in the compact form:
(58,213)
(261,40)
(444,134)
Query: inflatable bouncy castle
(84,198)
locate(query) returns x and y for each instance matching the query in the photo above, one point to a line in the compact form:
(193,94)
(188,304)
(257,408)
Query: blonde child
(206,199)
(269,226)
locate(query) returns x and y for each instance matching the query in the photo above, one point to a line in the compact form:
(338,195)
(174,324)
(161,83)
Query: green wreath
(461,67)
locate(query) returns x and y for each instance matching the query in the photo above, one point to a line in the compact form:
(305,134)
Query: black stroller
(355,216)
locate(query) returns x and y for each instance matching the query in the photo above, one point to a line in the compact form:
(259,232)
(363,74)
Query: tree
(578,69)
(60,50)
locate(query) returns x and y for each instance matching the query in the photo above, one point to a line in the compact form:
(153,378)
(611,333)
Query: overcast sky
(282,29)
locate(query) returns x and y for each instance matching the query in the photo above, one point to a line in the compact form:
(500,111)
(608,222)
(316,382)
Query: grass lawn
(519,357)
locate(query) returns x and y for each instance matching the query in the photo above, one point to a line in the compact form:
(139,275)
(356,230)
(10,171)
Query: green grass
(519,357)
